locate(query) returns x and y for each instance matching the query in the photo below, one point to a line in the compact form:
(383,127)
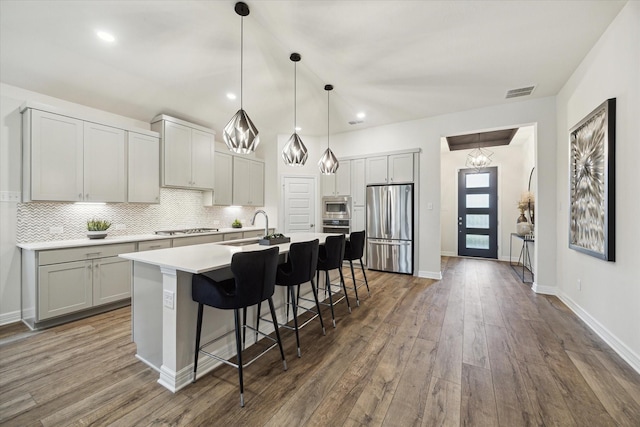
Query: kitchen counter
(164,314)
(62,244)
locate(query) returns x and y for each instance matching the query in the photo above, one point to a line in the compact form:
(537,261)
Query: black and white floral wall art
(592,181)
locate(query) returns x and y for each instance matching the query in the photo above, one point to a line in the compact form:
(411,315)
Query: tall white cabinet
(144,168)
(186,154)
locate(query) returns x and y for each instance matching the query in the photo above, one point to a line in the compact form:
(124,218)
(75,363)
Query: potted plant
(97,228)
(274,239)
(236,224)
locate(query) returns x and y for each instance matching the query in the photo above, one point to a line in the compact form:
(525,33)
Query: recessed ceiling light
(231,96)
(361,115)
(298,128)
(107,37)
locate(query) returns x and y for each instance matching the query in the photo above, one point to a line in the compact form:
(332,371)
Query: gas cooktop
(185,231)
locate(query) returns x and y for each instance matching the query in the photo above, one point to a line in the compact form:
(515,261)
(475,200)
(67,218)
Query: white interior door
(299,197)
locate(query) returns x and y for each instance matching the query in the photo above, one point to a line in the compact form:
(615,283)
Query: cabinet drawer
(57,256)
(154,244)
(197,240)
(255,233)
(233,236)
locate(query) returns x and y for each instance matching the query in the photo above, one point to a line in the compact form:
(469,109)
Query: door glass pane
(477,200)
(477,221)
(475,241)
(477,180)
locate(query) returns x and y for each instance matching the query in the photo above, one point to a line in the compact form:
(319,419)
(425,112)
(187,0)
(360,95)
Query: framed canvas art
(592,183)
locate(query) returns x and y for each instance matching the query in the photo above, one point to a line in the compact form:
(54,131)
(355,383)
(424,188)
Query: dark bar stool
(330,256)
(353,250)
(254,277)
(299,269)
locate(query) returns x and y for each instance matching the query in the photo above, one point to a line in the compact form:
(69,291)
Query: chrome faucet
(266,220)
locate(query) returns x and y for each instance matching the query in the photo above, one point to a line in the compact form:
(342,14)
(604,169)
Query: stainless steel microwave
(336,207)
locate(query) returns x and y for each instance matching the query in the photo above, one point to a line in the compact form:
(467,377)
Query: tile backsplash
(48,221)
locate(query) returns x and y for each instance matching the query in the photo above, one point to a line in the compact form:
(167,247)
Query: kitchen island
(164,315)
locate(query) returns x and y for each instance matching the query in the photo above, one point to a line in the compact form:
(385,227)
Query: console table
(524,259)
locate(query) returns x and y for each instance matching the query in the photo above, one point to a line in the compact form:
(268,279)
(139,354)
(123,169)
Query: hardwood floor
(476,348)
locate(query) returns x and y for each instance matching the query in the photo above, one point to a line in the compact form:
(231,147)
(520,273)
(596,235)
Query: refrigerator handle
(388,211)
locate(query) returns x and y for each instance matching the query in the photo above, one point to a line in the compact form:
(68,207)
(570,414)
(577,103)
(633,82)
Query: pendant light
(240,134)
(328,163)
(479,158)
(294,152)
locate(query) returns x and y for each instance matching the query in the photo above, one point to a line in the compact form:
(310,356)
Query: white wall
(426,133)
(610,297)
(510,161)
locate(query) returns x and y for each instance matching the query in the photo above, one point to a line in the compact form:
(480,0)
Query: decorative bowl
(96,234)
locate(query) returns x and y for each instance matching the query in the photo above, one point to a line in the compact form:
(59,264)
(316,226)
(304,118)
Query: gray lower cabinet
(63,282)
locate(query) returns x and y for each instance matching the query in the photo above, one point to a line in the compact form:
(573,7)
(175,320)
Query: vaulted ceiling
(393,60)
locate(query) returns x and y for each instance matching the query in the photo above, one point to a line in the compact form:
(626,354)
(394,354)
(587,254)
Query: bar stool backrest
(332,253)
(302,264)
(355,249)
(255,275)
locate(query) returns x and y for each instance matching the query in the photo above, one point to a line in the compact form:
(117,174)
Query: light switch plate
(168,299)
(9,196)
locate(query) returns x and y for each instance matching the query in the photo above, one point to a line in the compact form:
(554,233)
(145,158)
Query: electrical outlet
(579,284)
(121,227)
(10,196)
(168,299)
(56,230)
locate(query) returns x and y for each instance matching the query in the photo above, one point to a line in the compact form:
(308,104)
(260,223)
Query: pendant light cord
(295,97)
(327,119)
(241,56)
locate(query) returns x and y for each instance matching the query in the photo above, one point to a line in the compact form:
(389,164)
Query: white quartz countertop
(62,244)
(210,256)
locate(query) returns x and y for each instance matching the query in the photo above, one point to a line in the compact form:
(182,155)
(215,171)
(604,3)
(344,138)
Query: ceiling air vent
(523,91)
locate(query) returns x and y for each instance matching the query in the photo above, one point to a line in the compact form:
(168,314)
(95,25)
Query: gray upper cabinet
(223,186)
(144,168)
(68,159)
(187,153)
(248,182)
(338,184)
(358,182)
(391,169)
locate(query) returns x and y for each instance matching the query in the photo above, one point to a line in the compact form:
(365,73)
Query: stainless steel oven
(342,226)
(336,207)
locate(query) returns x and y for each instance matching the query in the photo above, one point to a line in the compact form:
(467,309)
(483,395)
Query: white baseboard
(436,275)
(618,346)
(446,253)
(12,317)
(545,290)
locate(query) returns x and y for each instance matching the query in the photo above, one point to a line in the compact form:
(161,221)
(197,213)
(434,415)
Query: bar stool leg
(295,317)
(198,332)
(239,349)
(344,288)
(275,323)
(244,328)
(355,285)
(366,282)
(258,322)
(327,286)
(315,295)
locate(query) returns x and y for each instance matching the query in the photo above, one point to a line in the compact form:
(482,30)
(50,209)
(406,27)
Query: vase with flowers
(525,204)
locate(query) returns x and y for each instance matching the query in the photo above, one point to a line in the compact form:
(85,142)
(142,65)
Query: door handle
(311,225)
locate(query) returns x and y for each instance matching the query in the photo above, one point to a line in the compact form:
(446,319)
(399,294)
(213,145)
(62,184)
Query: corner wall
(609,300)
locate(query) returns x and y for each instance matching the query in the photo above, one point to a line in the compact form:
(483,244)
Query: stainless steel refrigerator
(390,228)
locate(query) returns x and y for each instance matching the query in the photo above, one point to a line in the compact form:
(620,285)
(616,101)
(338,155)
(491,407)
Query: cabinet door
(377,170)
(64,288)
(222,186)
(111,280)
(358,186)
(56,157)
(358,221)
(176,145)
(144,168)
(241,181)
(343,179)
(401,168)
(328,183)
(202,154)
(256,175)
(104,164)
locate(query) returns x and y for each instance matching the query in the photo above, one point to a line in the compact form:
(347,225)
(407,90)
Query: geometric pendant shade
(479,158)
(328,163)
(294,152)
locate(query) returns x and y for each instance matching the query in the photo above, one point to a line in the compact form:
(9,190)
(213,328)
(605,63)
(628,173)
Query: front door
(478,212)
(299,204)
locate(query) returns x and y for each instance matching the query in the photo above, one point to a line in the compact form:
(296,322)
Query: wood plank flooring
(476,348)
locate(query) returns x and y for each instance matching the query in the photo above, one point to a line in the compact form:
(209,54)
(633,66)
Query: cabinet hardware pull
(93,254)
